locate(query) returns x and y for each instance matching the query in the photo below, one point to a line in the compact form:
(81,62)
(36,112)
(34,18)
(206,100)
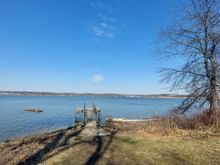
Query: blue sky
(99,46)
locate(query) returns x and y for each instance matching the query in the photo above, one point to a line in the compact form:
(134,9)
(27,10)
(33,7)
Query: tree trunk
(213,82)
(213,109)
(213,97)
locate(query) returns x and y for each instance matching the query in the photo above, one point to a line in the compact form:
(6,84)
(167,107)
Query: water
(59,111)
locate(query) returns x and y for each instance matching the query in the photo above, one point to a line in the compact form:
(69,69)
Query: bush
(197,121)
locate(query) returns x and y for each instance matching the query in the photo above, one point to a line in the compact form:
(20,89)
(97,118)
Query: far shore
(27,93)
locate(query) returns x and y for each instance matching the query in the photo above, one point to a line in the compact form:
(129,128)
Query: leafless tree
(195,37)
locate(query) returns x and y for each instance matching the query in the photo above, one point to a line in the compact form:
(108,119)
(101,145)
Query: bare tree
(195,36)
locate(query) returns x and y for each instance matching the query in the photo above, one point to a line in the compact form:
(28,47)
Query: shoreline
(27,93)
(126,120)
(39,133)
(98,95)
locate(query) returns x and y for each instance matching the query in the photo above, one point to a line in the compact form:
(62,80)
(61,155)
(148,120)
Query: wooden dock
(87,114)
(90,118)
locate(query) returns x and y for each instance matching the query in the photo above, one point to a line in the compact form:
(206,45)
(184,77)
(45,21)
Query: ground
(116,143)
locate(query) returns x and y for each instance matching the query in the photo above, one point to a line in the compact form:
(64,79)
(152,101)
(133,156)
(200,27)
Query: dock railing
(85,114)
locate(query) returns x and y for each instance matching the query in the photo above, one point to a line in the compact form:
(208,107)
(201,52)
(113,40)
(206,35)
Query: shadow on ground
(101,148)
(66,139)
(58,143)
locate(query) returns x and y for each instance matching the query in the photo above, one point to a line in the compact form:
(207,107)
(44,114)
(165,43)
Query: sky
(98,46)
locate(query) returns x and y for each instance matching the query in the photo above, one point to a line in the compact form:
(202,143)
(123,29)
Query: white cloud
(98,31)
(107,25)
(97,78)
(104,30)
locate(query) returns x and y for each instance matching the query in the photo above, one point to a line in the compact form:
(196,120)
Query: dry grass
(143,143)
(159,141)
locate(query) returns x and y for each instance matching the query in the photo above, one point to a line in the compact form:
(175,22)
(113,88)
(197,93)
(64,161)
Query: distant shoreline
(27,93)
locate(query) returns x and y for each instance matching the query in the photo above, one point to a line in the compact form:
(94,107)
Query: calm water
(59,111)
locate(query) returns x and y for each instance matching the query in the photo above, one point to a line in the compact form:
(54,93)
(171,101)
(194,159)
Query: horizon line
(87,93)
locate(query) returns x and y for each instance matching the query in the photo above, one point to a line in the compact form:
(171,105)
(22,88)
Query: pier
(90,119)
(85,115)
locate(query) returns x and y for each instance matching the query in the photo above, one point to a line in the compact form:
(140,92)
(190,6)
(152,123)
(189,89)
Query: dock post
(84,112)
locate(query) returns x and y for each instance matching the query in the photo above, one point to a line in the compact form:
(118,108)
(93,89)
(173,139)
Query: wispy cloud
(98,31)
(107,6)
(97,78)
(107,27)
(107,24)
(104,30)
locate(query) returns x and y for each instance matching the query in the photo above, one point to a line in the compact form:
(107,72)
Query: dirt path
(91,130)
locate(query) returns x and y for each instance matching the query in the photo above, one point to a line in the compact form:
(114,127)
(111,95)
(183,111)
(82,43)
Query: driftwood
(33,110)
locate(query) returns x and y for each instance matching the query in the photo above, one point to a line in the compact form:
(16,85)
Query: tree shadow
(60,141)
(100,149)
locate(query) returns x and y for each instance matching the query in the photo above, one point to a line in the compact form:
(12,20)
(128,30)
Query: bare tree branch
(195,35)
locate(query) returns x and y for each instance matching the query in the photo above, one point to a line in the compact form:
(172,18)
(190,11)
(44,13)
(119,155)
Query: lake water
(59,111)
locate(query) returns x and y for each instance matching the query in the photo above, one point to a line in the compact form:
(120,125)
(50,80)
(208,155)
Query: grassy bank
(137,142)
